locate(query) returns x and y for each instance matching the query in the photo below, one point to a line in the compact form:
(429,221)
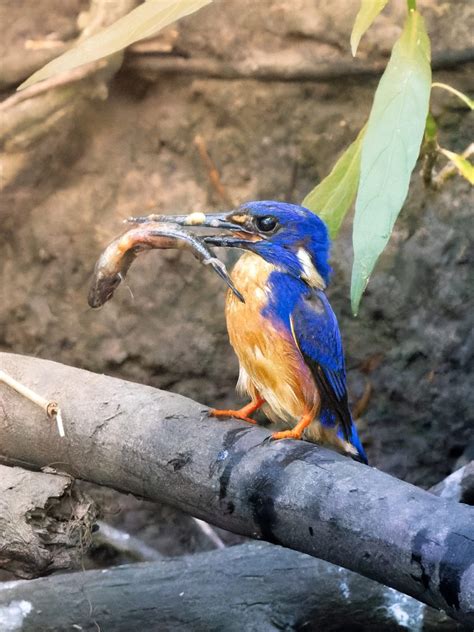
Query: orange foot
(242,413)
(297,431)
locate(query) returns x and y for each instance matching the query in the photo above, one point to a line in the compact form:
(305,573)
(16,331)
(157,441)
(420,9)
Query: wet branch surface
(164,447)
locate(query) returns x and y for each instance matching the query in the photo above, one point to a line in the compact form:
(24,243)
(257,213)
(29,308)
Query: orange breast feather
(270,362)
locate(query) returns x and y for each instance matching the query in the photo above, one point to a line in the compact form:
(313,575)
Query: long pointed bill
(220,268)
(226,220)
(236,222)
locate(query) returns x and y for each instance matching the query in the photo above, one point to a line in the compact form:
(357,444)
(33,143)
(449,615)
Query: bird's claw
(286,434)
(232,414)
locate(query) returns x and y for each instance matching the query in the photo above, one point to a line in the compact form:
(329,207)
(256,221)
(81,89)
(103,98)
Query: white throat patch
(310,274)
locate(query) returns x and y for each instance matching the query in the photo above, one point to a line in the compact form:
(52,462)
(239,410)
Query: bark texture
(77,166)
(164,447)
(253,587)
(45,522)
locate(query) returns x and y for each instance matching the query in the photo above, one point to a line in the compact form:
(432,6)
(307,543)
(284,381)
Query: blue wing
(316,332)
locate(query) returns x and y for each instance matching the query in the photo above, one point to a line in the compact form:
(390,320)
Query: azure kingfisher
(284,332)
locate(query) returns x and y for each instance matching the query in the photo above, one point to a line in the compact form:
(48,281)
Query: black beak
(212,220)
(221,220)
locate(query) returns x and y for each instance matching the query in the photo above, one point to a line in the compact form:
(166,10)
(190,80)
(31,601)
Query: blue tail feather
(356,442)
(328,419)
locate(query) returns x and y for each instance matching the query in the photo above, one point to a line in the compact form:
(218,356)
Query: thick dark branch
(164,447)
(155,65)
(45,522)
(247,587)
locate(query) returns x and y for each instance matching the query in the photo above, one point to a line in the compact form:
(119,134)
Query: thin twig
(126,543)
(212,172)
(43,44)
(50,407)
(362,403)
(209,533)
(57,81)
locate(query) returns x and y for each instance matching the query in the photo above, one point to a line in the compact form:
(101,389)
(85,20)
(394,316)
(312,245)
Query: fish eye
(266,224)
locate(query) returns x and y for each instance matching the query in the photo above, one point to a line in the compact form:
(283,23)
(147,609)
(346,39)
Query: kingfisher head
(289,236)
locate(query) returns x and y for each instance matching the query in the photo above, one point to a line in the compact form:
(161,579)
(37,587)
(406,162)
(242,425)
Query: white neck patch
(310,274)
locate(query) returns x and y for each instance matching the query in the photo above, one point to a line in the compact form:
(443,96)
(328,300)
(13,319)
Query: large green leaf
(333,196)
(369,10)
(390,148)
(144,21)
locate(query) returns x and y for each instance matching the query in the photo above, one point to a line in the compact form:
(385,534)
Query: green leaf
(390,148)
(464,98)
(333,196)
(369,10)
(144,21)
(465,168)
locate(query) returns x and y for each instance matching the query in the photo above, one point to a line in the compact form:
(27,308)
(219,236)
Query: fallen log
(220,590)
(45,522)
(164,447)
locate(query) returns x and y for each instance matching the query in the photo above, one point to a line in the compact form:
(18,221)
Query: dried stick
(64,79)
(212,172)
(126,543)
(50,407)
(209,533)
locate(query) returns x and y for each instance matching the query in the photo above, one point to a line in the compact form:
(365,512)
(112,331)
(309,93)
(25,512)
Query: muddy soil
(412,343)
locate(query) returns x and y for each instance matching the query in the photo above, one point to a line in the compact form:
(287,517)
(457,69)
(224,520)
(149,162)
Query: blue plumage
(299,228)
(319,339)
(284,331)
(306,310)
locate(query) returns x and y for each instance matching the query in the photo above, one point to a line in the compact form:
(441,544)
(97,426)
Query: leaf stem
(411,5)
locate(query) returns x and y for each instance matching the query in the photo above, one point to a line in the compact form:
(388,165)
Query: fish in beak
(237,222)
(114,262)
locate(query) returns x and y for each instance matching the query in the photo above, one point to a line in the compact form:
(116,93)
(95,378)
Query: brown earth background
(71,175)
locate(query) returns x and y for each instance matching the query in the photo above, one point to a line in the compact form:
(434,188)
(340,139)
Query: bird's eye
(266,224)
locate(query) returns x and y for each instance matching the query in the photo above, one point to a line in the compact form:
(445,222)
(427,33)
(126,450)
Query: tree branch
(124,543)
(164,447)
(45,522)
(152,66)
(220,590)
